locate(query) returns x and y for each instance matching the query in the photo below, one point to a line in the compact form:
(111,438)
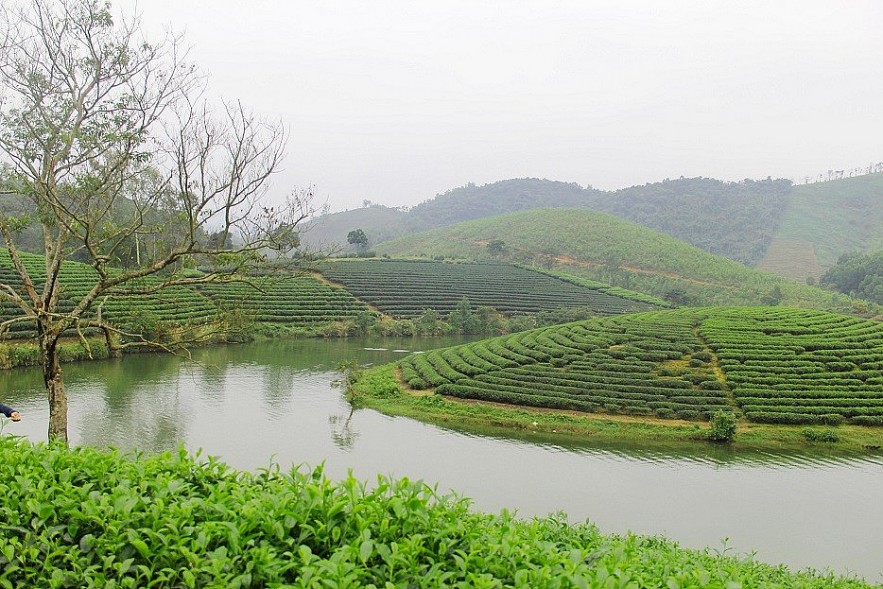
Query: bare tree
(111,139)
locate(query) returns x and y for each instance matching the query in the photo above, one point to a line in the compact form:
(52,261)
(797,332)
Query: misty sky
(395,101)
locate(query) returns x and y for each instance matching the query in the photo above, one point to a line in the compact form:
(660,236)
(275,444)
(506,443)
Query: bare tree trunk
(113,349)
(52,376)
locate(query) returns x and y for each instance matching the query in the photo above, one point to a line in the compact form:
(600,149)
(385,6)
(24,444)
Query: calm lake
(274,402)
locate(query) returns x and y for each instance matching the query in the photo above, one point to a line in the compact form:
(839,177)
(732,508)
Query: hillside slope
(406,289)
(328,233)
(607,248)
(734,219)
(826,220)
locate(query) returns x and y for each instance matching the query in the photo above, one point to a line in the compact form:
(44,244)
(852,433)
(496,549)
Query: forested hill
(734,219)
(476,202)
(459,204)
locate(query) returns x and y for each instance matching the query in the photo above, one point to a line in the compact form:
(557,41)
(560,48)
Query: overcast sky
(396,101)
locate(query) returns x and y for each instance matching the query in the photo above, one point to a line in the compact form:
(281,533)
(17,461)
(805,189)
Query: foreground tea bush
(83,518)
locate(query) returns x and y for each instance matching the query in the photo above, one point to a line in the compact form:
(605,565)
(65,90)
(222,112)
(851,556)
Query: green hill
(826,220)
(734,219)
(609,249)
(737,220)
(507,196)
(329,232)
(765,364)
(468,202)
(797,231)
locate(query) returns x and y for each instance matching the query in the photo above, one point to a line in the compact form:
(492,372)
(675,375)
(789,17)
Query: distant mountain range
(797,231)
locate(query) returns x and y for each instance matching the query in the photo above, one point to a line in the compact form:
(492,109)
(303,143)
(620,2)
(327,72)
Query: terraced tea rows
(173,306)
(654,366)
(769,364)
(800,366)
(405,289)
(299,301)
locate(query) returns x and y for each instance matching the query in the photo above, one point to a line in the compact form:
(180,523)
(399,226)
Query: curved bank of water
(273,401)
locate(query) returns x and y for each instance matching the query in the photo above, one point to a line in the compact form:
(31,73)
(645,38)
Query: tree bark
(52,377)
(113,349)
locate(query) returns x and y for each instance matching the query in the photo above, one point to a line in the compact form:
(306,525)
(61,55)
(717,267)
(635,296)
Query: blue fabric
(6,410)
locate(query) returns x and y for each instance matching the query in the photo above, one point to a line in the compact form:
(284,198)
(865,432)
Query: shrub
(96,519)
(812,435)
(832,419)
(723,426)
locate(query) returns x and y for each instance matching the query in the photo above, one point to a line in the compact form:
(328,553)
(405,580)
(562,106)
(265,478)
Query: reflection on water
(273,401)
(342,433)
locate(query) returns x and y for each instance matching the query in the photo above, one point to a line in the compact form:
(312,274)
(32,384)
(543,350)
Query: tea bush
(86,518)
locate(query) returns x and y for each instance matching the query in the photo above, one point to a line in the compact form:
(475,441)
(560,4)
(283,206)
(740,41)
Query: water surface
(274,402)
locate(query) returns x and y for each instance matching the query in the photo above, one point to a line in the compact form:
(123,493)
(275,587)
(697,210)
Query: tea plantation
(404,289)
(297,301)
(308,303)
(174,306)
(85,518)
(767,364)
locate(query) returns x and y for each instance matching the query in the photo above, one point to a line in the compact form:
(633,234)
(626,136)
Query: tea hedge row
(768,364)
(800,366)
(301,301)
(607,365)
(85,518)
(405,289)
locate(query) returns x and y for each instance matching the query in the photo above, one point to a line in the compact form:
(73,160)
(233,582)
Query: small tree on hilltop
(358,239)
(110,140)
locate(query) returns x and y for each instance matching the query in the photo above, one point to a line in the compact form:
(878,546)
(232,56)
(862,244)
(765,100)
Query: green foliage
(772,298)
(737,220)
(430,322)
(859,275)
(829,436)
(604,248)
(496,246)
(86,518)
(723,427)
(357,238)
